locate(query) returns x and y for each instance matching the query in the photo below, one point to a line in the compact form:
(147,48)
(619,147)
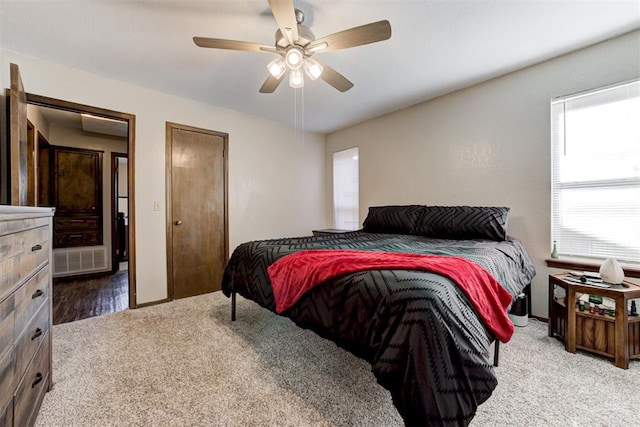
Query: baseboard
(150,303)
(542,319)
(84,276)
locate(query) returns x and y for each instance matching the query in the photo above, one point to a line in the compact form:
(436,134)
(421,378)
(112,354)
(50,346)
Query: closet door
(197,230)
(77,196)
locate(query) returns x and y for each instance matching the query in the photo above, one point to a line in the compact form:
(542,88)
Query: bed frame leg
(233,306)
(496,352)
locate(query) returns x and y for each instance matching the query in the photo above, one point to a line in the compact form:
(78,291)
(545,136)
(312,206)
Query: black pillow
(464,222)
(436,221)
(392,219)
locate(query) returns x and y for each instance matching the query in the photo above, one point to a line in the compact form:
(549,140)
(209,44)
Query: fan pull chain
(302,114)
(295,114)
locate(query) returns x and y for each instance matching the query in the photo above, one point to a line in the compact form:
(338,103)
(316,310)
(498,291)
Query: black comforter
(424,341)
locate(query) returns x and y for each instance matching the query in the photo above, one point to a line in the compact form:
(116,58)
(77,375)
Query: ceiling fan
(295,45)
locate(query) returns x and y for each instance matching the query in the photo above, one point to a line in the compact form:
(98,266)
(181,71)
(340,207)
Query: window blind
(595,173)
(346,189)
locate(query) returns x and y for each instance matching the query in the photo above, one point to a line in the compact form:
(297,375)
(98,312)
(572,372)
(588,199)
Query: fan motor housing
(305,36)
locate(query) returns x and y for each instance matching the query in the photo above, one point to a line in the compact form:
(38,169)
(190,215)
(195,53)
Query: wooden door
(18,139)
(197,243)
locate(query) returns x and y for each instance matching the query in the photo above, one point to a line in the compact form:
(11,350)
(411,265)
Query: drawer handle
(36,334)
(36,247)
(37,294)
(71,236)
(37,380)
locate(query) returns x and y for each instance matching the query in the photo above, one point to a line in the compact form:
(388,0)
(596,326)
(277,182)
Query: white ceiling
(86,122)
(436,47)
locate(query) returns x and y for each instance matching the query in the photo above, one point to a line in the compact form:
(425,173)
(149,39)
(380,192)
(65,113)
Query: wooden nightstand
(617,337)
(326,231)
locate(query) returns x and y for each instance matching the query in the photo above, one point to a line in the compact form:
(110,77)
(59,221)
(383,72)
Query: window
(595,173)
(346,189)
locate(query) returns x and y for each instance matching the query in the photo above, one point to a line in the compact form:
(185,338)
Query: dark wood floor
(75,299)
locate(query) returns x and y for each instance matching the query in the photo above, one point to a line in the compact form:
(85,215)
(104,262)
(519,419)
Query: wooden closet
(76,190)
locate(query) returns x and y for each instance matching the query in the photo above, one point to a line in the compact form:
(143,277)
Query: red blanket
(295,274)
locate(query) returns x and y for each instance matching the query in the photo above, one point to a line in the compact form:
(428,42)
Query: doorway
(119,212)
(197,220)
(86,281)
(30,166)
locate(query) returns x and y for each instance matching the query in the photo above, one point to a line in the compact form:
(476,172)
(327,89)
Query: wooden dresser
(25,312)
(77,195)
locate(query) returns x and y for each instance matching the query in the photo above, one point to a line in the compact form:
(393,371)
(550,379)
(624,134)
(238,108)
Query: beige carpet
(185,364)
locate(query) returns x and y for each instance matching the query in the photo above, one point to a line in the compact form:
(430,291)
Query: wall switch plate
(156,206)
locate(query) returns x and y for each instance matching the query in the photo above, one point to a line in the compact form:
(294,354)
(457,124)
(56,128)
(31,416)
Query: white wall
(485,145)
(38,121)
(276,180)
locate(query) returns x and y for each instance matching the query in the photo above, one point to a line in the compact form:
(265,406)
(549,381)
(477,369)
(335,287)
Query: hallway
(75,299)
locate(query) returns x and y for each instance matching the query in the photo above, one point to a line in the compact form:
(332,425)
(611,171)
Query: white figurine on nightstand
(611,272)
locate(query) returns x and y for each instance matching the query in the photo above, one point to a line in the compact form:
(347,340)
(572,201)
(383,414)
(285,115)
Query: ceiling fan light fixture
(296,79)
(295,43)
(312,68)
(294,58)
(277,67)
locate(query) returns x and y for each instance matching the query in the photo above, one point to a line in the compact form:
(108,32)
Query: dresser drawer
(31,390)
(31,338)
(29,298)
(6,414)
(7,317)
(20,254)
(62,223)
(65,239)
(7,377)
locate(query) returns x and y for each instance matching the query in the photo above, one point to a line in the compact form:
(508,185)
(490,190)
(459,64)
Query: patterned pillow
(392,219)
(464,222)
(436,221)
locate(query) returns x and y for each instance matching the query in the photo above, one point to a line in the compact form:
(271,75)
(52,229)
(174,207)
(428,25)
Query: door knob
(178,222)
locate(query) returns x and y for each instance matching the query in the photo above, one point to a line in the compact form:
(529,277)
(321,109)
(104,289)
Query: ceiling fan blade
(285,15)
(232,45)
(357,36)
(335,79)
(271,84)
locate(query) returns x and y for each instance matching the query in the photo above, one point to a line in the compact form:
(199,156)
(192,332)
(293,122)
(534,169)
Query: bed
(426,332)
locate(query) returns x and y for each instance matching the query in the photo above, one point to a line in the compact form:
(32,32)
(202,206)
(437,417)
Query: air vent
(68,262)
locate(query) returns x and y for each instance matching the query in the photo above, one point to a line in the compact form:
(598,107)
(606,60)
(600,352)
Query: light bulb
(277,67)
(294,58)
(313,68)
(296,79)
